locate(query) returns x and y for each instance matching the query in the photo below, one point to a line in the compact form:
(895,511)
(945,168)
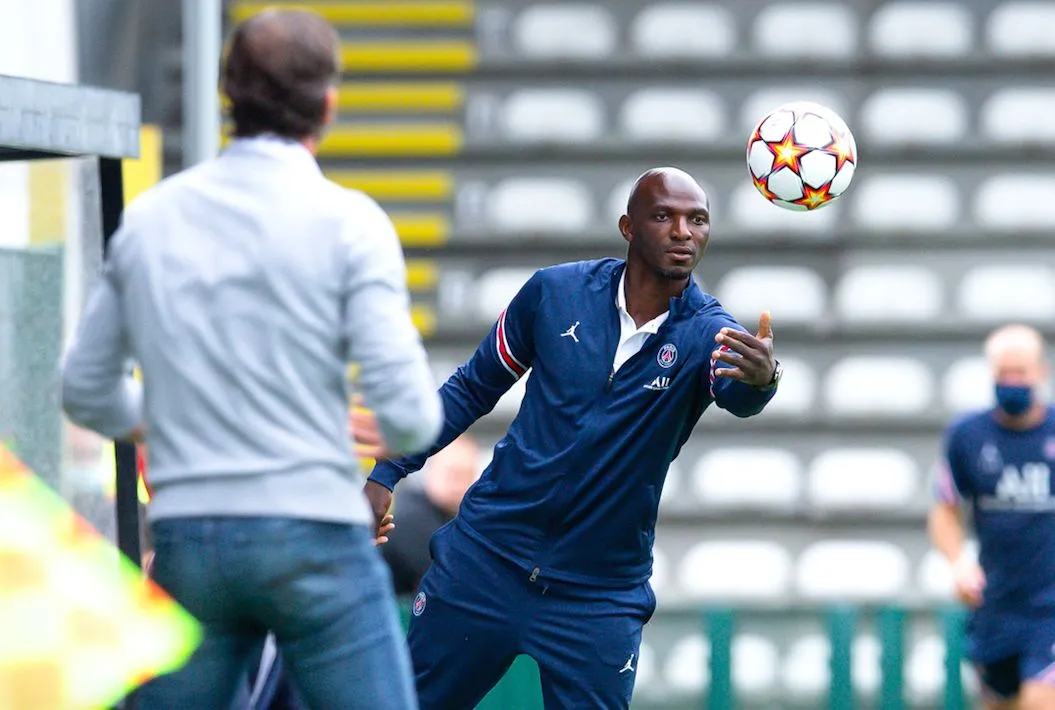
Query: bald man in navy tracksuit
(551,552)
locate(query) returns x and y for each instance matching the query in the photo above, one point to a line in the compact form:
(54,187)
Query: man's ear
(331,106)
(626,229)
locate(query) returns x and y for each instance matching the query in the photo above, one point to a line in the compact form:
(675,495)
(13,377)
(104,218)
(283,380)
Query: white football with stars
(801,156)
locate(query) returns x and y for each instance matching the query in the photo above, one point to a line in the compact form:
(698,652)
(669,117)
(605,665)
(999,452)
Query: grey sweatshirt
(243,288)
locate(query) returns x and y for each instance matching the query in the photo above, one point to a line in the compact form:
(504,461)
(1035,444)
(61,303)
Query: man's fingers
(752,349)
(732,373)
(765,325)
(728,357)
(731,336)
(368,451)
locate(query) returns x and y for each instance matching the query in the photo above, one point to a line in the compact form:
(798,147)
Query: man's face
(668,225)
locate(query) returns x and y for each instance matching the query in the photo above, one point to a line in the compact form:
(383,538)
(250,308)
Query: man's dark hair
(278,68)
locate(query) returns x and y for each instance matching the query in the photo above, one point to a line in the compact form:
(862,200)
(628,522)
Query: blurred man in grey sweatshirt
(243,287)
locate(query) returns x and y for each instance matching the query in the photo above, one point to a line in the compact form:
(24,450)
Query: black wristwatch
(778,372)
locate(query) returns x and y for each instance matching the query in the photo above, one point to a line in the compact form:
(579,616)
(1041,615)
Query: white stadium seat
(752,213)
(756,664)
(925,669)
(914,116)
(675,487)
(892,386)
(1013,116)
(544,204)
(760,103)
(888,293)
(806,670)
(860,478)
(673,114)
(687,671)
(682,29)
(528,115)
(967,385)
(798,389)
(794,294)
(852,571)
(646,678)
(749,477)
(921,29)
(907,201)
(735,570)
(824,30)
(1000,292)
(1022,29)
(548,31)
(1016,202)
(496,288)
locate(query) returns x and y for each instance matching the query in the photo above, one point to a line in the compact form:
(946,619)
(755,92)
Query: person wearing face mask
(997,464)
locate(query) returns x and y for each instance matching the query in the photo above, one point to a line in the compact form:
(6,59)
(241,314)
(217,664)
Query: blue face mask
(1014,399)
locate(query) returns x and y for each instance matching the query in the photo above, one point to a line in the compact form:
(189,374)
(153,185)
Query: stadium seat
(528,114)
(686,670)
(925,669)
(806,673)
(794,294)
(852,570)
(893,386)
(780,30)
(675,495)
(907,201)
(1003,291)
(888,293)
(879,479)
(798,389)
(735,569)
(681,29)
(914,116)
(646,680)
(760,103)
(756,664)
(541,204)
(1022,29)
(1008,202)
(673,114)
(1011,116)
(751,477)
(751,212)
(967,385)
(496,288)
(553,30)
(921,29)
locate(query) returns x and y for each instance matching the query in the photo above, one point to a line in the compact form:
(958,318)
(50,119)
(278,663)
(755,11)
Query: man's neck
(1033,418)
(648,294)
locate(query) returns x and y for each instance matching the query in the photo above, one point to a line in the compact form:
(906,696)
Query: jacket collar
(691,300)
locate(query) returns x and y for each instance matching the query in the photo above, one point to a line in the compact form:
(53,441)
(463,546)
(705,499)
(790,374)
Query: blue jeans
(321,588)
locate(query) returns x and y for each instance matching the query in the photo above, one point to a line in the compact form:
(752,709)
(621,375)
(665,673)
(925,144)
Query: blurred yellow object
(383,13)
(422,274)
(398,185)
(408,96)
(391,140)
(418,56)
(79,625)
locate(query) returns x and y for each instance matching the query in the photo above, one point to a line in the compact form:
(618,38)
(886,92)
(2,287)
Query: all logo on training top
(668,355)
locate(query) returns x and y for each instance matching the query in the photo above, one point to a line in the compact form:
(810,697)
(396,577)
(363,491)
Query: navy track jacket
(572,492)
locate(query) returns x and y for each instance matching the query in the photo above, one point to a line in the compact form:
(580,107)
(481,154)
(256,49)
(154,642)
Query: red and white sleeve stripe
(714,366)
(505,354)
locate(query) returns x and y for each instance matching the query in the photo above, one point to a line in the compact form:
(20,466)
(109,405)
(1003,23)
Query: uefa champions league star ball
(801,156)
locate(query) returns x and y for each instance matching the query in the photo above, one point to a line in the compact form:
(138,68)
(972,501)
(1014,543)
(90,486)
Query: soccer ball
(801,156)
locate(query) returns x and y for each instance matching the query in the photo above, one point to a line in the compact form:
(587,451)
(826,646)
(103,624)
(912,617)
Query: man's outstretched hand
(380,500)
(751,356)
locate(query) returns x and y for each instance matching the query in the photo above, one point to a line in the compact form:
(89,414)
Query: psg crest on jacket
(667,356)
